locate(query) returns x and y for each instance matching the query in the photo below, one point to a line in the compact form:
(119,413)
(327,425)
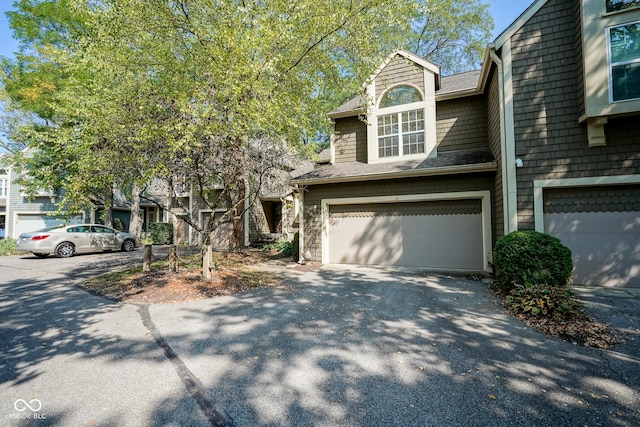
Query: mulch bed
(584,331)
(235,273)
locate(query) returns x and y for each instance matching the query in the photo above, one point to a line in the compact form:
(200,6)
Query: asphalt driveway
(364,347)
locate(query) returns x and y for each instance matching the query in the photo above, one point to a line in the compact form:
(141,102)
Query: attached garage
(601,226)
(438,233)
(26,222)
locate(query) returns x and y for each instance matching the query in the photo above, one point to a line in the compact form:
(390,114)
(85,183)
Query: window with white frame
(4,183)
(616,5)
(400,130)
(624,61)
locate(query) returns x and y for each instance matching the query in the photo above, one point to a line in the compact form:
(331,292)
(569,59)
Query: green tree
(451,33)
(218,92)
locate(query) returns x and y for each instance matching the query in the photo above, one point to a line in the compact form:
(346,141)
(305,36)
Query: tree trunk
(173,259)
(238,223)
(135,220)
(146,260)
(207,264)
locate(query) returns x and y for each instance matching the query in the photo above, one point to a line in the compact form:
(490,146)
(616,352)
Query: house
(20,212)
(271,215)
(430,171)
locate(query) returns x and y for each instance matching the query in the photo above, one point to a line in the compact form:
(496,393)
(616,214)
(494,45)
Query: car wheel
(41,255)
(128,245)
(65,250)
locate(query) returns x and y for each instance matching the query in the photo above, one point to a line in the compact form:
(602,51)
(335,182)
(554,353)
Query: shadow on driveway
(373,347)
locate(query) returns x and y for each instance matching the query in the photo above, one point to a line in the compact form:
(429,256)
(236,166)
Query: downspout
(300,196)
(247,214)
(507,201)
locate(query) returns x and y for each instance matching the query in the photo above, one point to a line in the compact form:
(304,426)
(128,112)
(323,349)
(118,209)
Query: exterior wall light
(519,163)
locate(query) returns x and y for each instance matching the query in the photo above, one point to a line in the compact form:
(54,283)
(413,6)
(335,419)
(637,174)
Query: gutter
(508,200)
(445,170)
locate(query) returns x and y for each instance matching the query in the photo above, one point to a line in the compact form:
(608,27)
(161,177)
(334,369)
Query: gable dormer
(401,115)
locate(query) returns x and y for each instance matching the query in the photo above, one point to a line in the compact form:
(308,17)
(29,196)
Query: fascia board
(446,170)
(517,24)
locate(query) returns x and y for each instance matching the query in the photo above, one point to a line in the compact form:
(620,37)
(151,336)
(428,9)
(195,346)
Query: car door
(80,236)
(103,238)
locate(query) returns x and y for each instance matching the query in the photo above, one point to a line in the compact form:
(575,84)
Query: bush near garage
(8,247)
(542,300)
(283,247)
(530,257)
(161,233)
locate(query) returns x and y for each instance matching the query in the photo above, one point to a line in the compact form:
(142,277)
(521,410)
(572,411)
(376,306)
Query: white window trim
(610,64)
(540,185)
(4,186)
(398,111)
(484,196)
(428,104)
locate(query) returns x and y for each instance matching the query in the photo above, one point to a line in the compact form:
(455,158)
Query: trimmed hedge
(530,257)
(161,233)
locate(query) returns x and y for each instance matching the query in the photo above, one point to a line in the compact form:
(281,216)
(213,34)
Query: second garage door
(431,234)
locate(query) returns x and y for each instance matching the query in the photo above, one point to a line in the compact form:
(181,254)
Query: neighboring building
(20,213)
(271,217)
(430,171)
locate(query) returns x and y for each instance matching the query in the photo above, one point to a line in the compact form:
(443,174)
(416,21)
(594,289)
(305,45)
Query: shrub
(295,247)
(283,247)
(531,257)
(542,300)
(8,247)
(161,233)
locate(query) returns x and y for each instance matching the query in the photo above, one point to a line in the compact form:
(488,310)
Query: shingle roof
(448,85)
(459,82)
(447,161)
(355,105)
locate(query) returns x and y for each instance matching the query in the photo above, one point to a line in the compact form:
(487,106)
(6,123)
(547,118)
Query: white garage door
(432,234)
(32,222)
(605,245)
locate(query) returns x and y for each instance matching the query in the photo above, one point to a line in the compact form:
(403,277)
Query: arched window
(400,95)
(401,133)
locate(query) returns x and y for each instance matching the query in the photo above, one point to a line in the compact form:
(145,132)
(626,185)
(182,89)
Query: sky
(504,12)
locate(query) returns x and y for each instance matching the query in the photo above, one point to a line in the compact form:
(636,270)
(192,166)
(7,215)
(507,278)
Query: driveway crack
(190,381)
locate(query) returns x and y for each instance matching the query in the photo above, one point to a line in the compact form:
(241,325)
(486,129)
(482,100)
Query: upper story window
(400,95)
(4,187)
(4,183)
(401,129)
(624,61)
(615,5)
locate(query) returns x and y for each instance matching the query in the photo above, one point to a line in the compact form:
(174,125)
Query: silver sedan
(65,241)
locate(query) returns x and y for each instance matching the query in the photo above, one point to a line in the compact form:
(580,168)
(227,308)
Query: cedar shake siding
(403,186)
(546,105)
(350,140)
(399,70)
(493,133)
(461,124)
